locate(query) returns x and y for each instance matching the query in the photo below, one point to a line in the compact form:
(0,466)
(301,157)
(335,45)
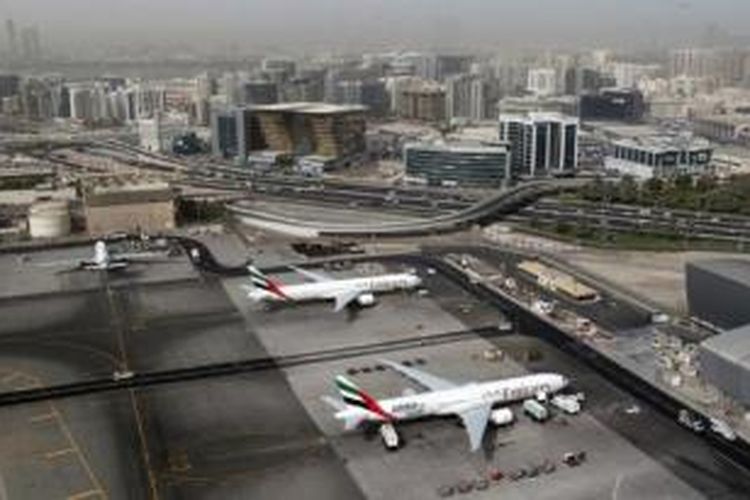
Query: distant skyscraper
(10,28)
(27,45)
(36,43)
(542,81)
(613,104)
(471,97)
(452,65)
(259,92)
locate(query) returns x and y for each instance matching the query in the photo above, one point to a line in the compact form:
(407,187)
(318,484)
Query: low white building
(659,156)
(158,133)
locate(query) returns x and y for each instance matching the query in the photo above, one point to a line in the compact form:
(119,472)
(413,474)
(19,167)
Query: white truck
(535,410)
(390,437)
(568,404)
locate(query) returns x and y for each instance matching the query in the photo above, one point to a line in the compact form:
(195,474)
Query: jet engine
(366,300)
(503,416)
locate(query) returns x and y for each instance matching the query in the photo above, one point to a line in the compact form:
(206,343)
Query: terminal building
(726,129)
(128,204)
(725,363)
(659,157)
(541,144)
(718,292)
(457,164)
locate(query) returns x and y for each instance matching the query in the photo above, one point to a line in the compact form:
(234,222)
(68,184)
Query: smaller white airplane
(472,402)
(344,292)
(102,260)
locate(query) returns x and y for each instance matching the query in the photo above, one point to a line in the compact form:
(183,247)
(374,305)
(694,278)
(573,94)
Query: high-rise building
(580,80)
(279,69)
(471,97)
(458,93)
(9,85)
(414,64)
(224,138)
(627,75)
(421,100)
(27,45)
(10,28)
(36,98)
(259,92)
(81,107)
(512,77)
(369,93)
(728,65)
(374,97)
(449,65)
(542,81)
(613,104)
(541,144)
(31,47)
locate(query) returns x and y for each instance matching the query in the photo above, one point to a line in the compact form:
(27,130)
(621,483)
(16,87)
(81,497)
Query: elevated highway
(504,202)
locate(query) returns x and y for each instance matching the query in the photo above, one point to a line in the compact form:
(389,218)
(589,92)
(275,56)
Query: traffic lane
(610,313)
(686,454)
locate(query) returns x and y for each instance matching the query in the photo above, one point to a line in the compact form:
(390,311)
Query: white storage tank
(49,219)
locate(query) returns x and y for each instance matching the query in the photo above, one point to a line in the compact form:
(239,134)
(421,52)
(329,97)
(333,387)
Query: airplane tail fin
(351,421)
(259,280)
(354,396)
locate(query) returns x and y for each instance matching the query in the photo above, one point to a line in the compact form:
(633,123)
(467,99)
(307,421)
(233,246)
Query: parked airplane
(103,260)
(344,292)
(472,402)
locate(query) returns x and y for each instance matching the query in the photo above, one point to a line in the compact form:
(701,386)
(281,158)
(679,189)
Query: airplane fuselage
(330,289)
(450,401)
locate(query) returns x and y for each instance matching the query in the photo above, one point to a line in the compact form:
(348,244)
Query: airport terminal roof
(733,346)
(664,143)
(732,269)
(460,147)
(313,108)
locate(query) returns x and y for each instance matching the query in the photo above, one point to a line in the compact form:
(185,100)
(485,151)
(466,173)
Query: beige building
(129,204)
(422,101)
(320,129)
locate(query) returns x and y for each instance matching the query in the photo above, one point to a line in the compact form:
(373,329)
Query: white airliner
(344,292)
(103,260)
(472,402)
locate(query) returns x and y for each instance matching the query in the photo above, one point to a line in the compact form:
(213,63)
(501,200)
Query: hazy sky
(284,24)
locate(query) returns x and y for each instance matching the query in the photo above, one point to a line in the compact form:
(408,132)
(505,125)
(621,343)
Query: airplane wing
(475,420)
(426,380)
(345,298)
(317,277)
(58,263)
(144,257)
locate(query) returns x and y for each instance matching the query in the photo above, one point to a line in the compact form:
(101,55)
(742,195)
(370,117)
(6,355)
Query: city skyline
(261,26)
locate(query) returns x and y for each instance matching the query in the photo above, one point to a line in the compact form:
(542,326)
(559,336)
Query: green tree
(683,183)
(627,190)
